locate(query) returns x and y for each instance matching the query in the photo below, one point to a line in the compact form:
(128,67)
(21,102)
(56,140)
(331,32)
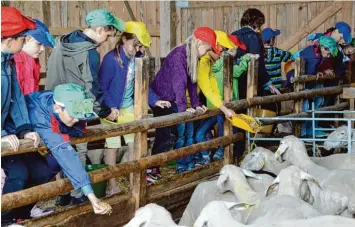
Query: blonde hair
(192,57)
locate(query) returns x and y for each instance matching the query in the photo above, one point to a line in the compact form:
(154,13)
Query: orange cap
(207,35)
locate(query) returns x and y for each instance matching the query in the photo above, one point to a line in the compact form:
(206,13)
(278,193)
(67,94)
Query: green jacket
(238,70)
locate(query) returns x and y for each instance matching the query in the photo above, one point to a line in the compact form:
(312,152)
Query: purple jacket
(172,80)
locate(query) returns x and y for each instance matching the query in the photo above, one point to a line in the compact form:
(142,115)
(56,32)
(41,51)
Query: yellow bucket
(245,122)
(263,113)
(127,117)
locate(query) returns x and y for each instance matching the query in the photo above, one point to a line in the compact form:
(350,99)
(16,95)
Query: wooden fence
(174,192)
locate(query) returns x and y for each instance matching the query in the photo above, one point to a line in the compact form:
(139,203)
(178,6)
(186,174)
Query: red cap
(237,42)
(13,22)
(207,35)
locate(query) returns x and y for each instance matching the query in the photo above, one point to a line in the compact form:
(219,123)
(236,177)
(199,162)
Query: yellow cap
(224,41)
(140,30)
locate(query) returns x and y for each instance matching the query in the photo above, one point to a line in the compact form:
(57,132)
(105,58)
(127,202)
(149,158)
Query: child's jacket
(55,135)
(14,114)
(28,71)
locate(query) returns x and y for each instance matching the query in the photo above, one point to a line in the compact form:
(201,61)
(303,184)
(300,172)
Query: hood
(218,65)
(6,57)
(243,31)
(74,48)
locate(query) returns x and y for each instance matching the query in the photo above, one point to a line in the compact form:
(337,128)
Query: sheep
(263,159)
(208,191)
(339,180)
(151,215)
(295,182)
(218,214)
(341,133)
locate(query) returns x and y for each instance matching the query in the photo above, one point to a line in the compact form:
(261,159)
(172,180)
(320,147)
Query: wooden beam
(213,4)
(173,119)
(311,26)
(227,92)
(154,32)
(297,87)
(167,27)
(52,189)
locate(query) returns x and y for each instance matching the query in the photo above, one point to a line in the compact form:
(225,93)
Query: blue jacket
(113,78)
(55,135)
(14,114)
(254,46)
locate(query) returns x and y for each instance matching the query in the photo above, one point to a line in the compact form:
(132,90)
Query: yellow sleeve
(207,82)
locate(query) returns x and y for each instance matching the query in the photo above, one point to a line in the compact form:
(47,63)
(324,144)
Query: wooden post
(349,93)
(138,182)
(299,70)
(227,91)
(167,26)
(252,87)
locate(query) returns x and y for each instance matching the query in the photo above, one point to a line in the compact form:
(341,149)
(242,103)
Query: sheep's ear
(273,187)
(308,177)
(249,173)
(222,179)
(237,206)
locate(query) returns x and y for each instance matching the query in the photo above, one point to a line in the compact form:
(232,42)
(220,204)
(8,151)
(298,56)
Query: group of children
(79,87)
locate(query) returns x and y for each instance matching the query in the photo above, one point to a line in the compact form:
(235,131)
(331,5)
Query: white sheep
(218,214)
(341,133)
(342,181)
(208,191)
(295,182)
(151,215)
(264,159)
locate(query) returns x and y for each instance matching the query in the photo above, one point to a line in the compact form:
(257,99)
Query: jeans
(185,137)
(204,127)
(25,171)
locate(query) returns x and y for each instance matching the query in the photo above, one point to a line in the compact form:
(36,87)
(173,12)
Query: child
(56,116)
(27,62)
(167,93)
(318,61)
(274,56)
(209,86)
(15,122)
(117,73)
(76,60)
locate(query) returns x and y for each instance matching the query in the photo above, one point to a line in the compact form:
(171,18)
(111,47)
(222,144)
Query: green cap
(73,98)
(329,42)
(103,17)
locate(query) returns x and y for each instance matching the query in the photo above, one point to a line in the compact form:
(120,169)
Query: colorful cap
(103,17)
(329,42)
(345,29)
(13,22)
(73,98)
(314,36)
(140,30)
(207,35)
(269,33)
(41,34)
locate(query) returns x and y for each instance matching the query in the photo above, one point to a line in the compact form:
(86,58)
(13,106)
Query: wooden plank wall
(66,14)
(287,16)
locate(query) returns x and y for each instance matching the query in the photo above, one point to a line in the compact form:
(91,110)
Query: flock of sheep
(294,190)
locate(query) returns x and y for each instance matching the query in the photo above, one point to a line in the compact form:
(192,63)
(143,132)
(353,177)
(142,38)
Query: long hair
(252,17)
(192,57)
(119,43)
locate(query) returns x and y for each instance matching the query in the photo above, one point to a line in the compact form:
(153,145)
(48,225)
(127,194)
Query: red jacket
(28,72)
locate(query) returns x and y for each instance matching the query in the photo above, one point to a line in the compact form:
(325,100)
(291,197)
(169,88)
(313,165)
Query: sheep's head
(294,182)
(255,160)
(151,215)
(217,212)
(229,171)
(287,144)
(340,133)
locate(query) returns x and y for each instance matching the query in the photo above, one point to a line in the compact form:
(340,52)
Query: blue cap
(269,33)
(345,29)
(41,34)
(314,36)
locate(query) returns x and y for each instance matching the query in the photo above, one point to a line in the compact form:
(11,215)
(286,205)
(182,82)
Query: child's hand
(274,90)
(98,206)
(255,56)
(329,72)
(202,109)
(191,110)
(228,112)
(113,115)
(162,104)
(33,136)
(12,140)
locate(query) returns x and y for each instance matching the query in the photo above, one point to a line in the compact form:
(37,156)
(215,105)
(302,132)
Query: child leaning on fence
(27,63)
(117,77)
(167,93)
